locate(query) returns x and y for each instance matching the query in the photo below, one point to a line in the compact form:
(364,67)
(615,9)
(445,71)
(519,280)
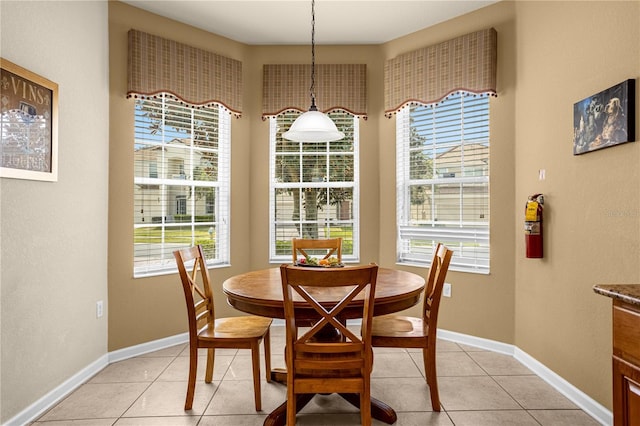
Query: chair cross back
(202,311)
(304,246)
(435,283)
(193,277)
(329,317)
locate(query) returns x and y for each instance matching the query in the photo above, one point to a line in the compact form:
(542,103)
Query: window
(153,169)
(181,183)
(181,204)
(443,182)
(314,188)
(211,204)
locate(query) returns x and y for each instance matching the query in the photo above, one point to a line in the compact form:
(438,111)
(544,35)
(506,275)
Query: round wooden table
(260,293)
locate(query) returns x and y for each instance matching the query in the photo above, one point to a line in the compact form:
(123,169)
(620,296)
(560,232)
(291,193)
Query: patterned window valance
(193,76)
(426,76)
(337,87)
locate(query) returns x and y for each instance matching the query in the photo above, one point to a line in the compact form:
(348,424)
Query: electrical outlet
(99,308)
(446,290)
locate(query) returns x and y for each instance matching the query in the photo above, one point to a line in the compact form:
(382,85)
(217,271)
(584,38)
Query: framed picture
(605,119)
(29,124)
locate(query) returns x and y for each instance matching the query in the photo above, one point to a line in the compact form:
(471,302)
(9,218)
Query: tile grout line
(146,389)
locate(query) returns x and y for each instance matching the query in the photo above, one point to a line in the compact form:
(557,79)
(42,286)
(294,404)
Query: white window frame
(162,262)
(273,185)
(416,239)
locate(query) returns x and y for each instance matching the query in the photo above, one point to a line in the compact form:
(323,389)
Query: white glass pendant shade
(313,126)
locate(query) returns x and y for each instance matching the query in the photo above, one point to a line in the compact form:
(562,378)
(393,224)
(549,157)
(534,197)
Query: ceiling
(289,21)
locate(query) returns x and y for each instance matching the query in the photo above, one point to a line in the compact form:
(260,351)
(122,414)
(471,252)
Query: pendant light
(313,125)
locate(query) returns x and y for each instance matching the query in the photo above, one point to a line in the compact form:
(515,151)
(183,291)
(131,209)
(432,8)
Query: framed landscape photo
(605,119)
(29,124)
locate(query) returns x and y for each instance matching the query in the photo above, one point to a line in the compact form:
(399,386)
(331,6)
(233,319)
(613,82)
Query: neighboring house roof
(476,149)
(146,147)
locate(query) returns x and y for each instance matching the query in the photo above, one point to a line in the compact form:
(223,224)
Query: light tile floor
(477,388)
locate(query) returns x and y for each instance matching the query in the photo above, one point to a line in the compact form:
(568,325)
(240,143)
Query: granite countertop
(629,293)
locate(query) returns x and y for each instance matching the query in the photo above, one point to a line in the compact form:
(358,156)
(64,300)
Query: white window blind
(314,189)
(181,183)
(443,182)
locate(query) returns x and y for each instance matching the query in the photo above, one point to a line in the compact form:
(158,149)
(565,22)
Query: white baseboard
(478,342)
(575,395)
(145,348)
(36,409)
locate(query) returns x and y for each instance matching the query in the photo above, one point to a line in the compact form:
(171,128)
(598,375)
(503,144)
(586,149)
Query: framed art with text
(29,124)
(605,119)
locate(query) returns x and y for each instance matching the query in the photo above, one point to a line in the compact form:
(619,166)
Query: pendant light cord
(313,125)
(313,57)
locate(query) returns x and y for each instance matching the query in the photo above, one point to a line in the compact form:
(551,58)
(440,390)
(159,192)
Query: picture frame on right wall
(605,119)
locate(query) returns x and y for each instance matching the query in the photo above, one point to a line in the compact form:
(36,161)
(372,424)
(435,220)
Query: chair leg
(365,404)
(291,405)
(255,360)
(208,377)
(432,380)
(267,354)
(193,368)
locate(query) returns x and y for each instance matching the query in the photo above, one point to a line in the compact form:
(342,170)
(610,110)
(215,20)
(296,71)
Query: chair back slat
(328,347)
(311,364)
(323,248)
(203,318)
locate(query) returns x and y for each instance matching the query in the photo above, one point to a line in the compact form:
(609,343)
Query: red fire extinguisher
(533,225)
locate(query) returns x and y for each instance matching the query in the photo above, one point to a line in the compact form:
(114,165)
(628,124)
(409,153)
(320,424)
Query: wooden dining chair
(343,364)
(327,247)
(395,331)
(207,331)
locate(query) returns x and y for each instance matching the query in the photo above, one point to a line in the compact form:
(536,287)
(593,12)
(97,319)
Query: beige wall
(567,51)
(53,236)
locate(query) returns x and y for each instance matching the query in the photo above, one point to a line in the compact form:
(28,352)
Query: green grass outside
(171,235)
(284,246)
(181,236)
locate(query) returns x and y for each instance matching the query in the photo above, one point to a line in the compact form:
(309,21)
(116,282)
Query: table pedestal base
(379,410)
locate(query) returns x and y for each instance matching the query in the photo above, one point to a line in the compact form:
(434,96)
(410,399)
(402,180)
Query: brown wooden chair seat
(396,331)
(207,331)
(315,365)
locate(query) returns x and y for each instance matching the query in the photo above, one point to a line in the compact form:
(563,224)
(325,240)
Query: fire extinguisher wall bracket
(533,226)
